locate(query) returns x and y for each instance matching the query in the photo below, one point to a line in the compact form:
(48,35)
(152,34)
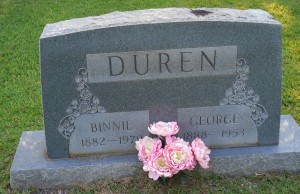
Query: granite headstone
(217,72)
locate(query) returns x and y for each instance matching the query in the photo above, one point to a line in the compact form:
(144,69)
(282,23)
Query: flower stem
(163,180)
(182,178)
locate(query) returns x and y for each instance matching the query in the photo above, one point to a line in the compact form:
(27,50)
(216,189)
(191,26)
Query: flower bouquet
(165,155)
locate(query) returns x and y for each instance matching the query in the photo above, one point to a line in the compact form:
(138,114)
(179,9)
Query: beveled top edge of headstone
(156,16)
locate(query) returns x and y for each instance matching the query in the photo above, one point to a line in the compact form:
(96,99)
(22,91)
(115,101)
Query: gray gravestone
(215,71)
(104,79)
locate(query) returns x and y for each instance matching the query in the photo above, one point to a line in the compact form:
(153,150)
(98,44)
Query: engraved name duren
(161,64)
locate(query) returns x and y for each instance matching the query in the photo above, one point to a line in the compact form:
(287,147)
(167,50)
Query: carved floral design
(238,94)
(85,104)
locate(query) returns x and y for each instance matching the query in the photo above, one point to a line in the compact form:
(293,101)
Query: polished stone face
(106,78)
(161,64)
(108,133)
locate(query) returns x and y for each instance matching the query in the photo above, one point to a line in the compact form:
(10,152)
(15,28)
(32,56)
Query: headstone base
(32,169)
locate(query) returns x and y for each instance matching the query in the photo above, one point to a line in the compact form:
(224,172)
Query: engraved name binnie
(110,126)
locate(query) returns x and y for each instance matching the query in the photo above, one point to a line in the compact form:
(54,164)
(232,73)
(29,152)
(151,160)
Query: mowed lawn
(21,24)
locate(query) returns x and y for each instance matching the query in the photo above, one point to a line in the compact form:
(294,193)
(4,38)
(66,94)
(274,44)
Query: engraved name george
(214,119)
(161,64)
(218,126)
(204,120)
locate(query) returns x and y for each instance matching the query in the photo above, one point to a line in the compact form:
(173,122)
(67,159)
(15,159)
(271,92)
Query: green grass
(21,24)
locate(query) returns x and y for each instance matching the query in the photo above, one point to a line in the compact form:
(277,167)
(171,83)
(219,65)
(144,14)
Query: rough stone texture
(154,16)
(32,169)
(64,47)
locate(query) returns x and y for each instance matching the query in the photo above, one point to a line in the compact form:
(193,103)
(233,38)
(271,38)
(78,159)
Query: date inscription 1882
(108,133)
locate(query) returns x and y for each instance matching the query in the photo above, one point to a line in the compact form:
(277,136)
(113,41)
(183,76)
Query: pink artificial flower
(164,128)
(201,152)
(158,167)
(179,154)
(146,147)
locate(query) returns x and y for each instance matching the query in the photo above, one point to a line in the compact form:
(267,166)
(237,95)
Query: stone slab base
(32,169)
